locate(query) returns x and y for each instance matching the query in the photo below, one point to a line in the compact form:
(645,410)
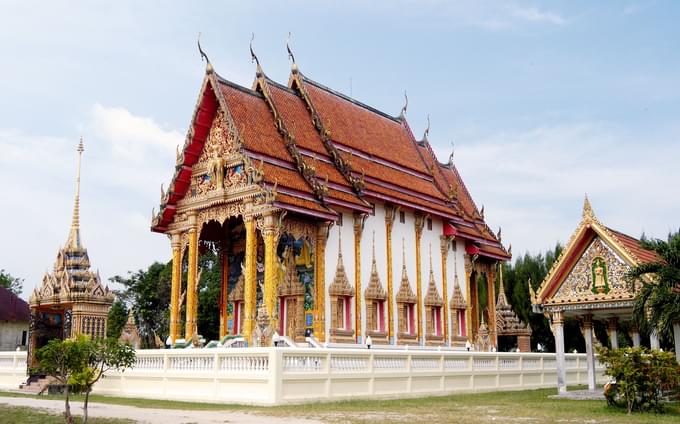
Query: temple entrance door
(288,324)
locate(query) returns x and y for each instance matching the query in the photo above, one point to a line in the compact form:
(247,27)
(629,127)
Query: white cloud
(534,15)
(126,158)
(532,182)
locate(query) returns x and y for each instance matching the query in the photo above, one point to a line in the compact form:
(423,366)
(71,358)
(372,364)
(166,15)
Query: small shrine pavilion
(71,299)
(588,282)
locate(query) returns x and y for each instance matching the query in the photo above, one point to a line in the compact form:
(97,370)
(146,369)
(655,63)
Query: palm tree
(657,306)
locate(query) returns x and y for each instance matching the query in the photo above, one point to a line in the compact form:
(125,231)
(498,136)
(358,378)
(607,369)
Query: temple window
(402,217)
(429,224)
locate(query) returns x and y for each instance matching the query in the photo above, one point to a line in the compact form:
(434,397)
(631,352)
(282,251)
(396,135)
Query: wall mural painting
(303,252)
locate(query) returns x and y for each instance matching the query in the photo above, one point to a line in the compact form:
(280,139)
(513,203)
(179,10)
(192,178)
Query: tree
(103,355)
(657,306)
(117,319)
(516,279)
(14,284)
(62,359)
(148,293)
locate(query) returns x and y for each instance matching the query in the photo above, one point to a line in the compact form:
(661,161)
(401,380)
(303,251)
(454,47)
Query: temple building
(587,282)
(71,299)
(329,217)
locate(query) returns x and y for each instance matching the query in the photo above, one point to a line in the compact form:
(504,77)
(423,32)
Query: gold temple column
(192,284)
(270,234)
(390,212)
(491,296)
(468,298)
(175,288)
(359,220)
(250,289)
(445,242)
(320,281)
(419,224)
(224,283)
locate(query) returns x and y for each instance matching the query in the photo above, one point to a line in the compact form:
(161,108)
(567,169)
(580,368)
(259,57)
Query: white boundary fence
(270,376)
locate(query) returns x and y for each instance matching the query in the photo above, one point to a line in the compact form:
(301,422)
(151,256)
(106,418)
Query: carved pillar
(359,220)
(175,288)
(491,302)
(419,224)
(590,354)
(468,298)
(445,243)
(224,295)
(192,284)
(320,281)
(635,335)
(613,333)
(270,234)
(250,292)
(390,212)
(558,332)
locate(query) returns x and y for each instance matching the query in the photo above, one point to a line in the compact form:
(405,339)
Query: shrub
(641,375)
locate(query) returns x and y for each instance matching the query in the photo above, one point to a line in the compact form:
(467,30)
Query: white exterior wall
(406,232)
(347,230)
(274,376)
(10,334)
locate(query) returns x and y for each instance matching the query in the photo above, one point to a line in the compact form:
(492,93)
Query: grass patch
(21,414)
(529,406)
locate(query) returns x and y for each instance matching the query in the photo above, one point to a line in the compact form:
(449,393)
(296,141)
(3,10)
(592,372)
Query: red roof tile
(362,128)
(633,245)
(12,307)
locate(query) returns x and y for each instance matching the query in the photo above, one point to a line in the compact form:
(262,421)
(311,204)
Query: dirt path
(154,416)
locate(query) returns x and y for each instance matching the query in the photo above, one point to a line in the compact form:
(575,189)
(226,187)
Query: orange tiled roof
(633,245)
(363,128)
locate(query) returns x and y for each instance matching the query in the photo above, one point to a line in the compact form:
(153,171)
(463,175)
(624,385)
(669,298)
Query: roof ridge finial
(587,209)
(74,235)
(427,130)
(402,115)
(450,164)
(253,57)
(291,56)
(208,65)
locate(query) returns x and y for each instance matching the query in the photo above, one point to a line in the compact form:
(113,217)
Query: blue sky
(544,101)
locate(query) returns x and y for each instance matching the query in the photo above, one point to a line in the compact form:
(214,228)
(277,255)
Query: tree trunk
(87,398)
(676,336)
(67,406)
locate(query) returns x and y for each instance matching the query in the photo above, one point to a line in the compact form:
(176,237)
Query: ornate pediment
(457,300)
(405,293)
(599,274)
(375,289)
(340,285)
(432,297)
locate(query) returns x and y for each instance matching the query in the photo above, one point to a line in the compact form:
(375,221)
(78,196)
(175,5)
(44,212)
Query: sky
(543,102)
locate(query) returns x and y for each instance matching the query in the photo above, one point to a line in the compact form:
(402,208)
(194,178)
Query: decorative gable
(598,274)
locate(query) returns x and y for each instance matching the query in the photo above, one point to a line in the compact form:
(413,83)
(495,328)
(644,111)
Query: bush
(641,375)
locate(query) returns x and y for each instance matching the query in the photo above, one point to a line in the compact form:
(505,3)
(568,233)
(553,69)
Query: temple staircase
(36,384)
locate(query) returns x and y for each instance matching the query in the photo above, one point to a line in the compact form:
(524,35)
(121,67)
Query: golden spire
(587,209)
(74,235)
(373,247)
(431,272)
(501,287)
(403,254)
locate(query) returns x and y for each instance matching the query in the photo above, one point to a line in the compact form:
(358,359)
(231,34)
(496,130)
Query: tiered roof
(72,280)
(323,151)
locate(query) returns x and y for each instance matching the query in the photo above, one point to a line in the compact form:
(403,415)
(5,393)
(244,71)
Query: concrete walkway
(151,415)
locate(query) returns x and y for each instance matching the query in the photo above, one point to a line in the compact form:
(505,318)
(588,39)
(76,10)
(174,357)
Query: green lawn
(24,415)
(530,406)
